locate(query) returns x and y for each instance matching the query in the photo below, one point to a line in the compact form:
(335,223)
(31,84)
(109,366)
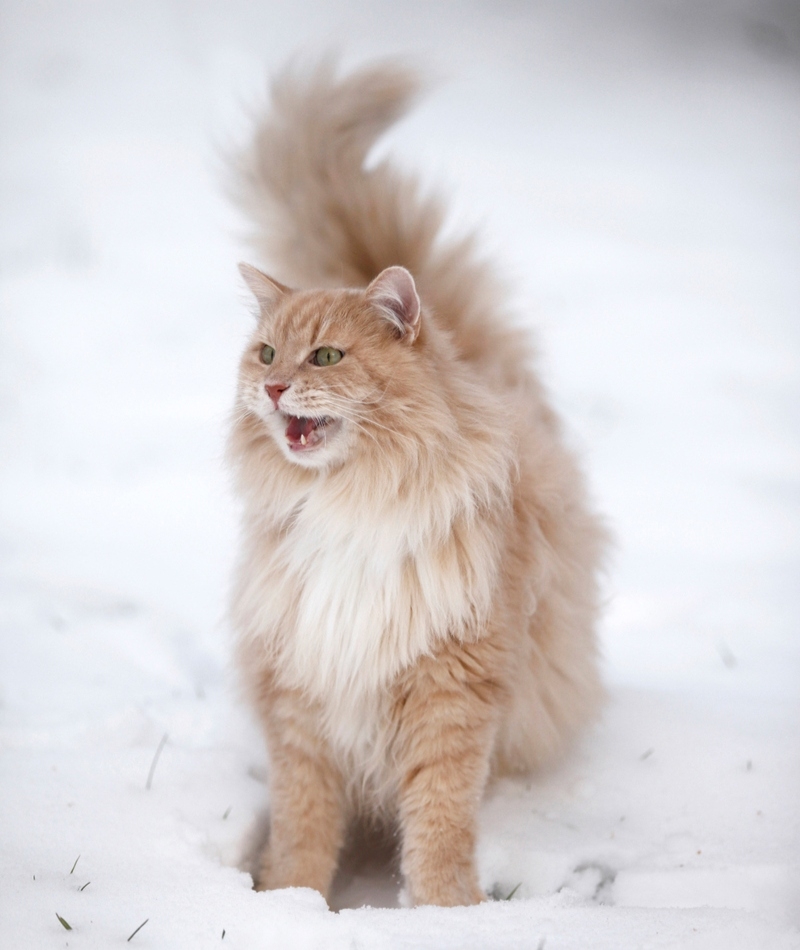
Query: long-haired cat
(416,591)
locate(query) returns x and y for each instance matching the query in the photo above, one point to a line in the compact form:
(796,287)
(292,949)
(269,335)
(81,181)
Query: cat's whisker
(366,424)
(354,414)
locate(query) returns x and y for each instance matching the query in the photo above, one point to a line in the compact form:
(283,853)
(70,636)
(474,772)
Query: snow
(634,168)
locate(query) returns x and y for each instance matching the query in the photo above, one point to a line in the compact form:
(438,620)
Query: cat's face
(318,369)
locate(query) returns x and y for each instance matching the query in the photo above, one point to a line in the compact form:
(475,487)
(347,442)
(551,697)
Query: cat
(417,590)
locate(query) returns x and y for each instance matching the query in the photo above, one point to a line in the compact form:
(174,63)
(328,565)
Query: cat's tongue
(299,429)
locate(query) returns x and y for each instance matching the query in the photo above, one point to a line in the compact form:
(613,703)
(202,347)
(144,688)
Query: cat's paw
(298,870)
(447,889)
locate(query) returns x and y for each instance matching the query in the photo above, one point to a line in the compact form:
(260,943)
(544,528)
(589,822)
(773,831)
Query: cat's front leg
(447,725)
(306,804)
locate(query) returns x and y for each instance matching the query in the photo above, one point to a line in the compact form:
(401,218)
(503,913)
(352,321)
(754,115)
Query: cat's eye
(326,356)
(267,354)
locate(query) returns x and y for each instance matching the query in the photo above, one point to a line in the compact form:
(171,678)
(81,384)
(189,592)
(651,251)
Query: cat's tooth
(303,440)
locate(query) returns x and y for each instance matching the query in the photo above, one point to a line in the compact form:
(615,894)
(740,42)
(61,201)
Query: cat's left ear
(394,294)
(266,290)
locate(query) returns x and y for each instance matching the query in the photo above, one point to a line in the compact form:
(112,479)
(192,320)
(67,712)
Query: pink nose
(275,392)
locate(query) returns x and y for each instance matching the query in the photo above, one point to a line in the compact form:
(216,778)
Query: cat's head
(329,370)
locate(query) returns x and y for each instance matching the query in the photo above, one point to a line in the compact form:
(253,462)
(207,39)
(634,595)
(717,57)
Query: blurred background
(634,169)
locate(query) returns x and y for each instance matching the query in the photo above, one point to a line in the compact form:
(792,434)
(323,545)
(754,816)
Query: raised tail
(322,219)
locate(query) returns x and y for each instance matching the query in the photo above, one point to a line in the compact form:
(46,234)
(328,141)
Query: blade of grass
(84,886)
(75,864)
(513,892)
(137,930)
(154,763)
(63,922)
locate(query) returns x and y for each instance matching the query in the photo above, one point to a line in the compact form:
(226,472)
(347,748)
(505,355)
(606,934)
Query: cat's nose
(275,392)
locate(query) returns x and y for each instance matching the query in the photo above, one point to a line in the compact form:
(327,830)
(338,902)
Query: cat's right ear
(394,294)
(266,290)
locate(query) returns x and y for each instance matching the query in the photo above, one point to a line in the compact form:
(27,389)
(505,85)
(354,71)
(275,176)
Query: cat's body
(417,589)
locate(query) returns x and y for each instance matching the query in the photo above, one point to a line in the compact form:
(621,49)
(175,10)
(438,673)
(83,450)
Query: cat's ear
(394,295)
(266,290)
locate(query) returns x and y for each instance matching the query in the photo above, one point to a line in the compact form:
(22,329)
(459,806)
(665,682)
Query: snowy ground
(636,169)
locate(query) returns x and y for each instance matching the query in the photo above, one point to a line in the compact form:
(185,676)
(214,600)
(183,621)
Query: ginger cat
(416,592)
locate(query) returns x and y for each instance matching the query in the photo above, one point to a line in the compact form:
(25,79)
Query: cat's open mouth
(304,433)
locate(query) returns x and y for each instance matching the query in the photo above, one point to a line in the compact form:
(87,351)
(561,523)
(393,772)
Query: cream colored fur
(416,592)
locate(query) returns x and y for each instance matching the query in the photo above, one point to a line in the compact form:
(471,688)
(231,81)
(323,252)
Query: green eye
(267,354)
(326,356)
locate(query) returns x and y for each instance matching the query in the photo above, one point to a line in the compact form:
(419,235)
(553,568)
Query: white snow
(634,168)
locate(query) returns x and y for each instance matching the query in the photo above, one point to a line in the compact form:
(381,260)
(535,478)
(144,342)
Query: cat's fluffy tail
(323,219)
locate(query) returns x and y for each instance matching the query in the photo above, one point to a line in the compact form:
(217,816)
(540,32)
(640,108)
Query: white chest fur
(344,599)
(350,604)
